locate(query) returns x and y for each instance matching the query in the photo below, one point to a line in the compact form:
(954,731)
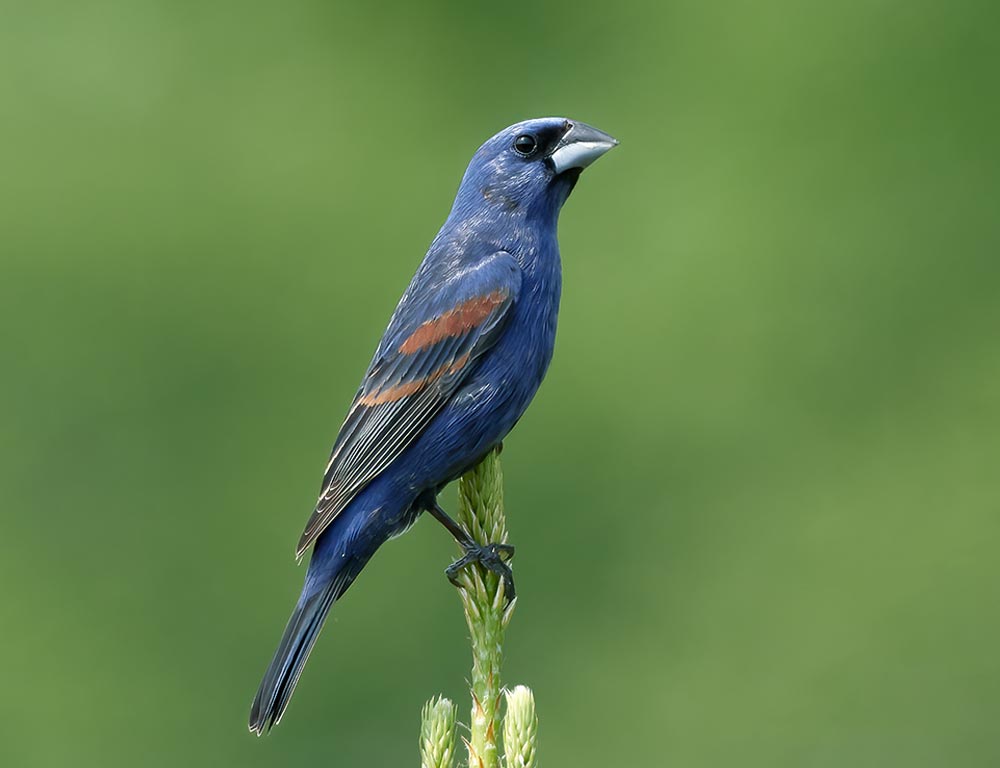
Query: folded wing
(433,342)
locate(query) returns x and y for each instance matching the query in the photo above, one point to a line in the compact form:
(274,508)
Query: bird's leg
(493,557)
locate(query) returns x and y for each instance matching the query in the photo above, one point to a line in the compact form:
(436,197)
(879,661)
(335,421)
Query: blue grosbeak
(464,353)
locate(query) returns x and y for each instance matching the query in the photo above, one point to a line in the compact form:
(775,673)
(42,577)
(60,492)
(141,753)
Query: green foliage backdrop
(756,501)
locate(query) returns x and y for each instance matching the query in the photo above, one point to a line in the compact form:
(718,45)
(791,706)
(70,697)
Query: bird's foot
(493,557)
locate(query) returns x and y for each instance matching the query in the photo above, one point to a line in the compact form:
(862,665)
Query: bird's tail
(300,635)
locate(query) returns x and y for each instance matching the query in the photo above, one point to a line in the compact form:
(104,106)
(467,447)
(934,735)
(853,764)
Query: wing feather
(420,364)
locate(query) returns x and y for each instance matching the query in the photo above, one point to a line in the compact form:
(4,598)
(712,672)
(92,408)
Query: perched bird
(464,353)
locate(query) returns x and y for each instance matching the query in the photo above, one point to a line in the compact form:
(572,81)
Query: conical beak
(581,145)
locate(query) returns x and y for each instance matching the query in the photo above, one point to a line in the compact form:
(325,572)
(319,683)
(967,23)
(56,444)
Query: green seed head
(437,734)
(520,728)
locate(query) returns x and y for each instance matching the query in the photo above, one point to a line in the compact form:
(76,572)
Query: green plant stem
(480,512)
(487,614)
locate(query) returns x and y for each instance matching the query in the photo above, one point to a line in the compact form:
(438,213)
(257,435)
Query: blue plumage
(461,359)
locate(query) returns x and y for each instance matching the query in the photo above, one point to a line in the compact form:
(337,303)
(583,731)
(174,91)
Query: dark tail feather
(300,635)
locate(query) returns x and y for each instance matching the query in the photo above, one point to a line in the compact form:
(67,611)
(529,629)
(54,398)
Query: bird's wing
(437,333)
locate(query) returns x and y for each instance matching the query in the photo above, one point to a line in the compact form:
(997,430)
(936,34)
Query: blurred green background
(756,501)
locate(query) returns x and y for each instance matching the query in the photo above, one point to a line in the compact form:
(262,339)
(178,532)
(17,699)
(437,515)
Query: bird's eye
(525,144)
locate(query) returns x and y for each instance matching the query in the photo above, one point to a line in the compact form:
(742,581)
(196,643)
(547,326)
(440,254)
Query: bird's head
(530,167)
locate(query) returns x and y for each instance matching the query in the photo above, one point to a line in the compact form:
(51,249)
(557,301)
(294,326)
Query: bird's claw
(493,557)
